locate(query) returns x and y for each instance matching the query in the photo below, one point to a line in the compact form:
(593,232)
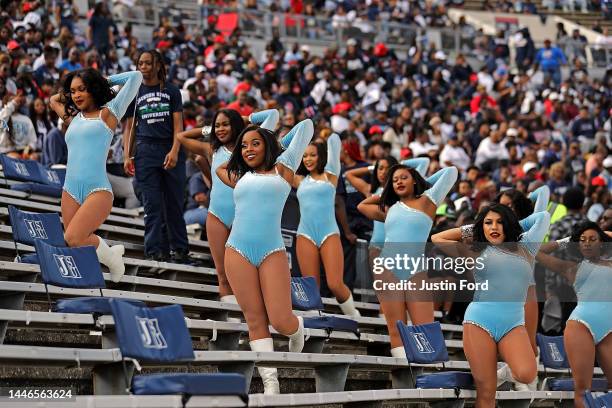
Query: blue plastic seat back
(22,170)
(152,334)
(446,380)
(190,384)
(69,267)
(424,343)
(305,294)
(29,227)
(605,401)
(87,305)
(52,177)
(42,189)
(552,351)
(29,259)
(590,401)
(332,323)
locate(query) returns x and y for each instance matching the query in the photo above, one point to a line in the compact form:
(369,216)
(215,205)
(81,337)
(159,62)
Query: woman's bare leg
(419,303)
(217,234)
(87,219)
(580,349)
(515,349)
(531,317)
(244,279)
(274,278)
(604,357)
(308,258)
(333,261)
(481,352)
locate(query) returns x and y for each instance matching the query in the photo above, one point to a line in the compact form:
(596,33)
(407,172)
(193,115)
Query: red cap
(220,39)
(375,130)
(269,67)
(598,181)
(341,107)
(164,44)
(212,19)
(380,50)
(12,45)
(473,78)
(242,86)
(27,6)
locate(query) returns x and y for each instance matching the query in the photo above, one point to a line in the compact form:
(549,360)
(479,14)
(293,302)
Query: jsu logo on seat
(299,291)
(67,266)
(52,176)
(21,168)
(36,229)
(150,334)
(422,343)
(554,352)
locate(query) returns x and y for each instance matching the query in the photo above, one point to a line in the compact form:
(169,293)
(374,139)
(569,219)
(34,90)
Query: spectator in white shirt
(491,150)
(422,145)
(453,155)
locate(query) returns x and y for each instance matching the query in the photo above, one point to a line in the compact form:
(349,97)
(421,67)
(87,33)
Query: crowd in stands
(505,124)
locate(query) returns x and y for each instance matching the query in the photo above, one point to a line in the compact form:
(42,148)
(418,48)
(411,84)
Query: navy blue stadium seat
(425,344)
(604,401)
(37,178)
(553,355)
(161,335)
(567,384)
(29,227)
(305,296)
(90,304)
(331,323)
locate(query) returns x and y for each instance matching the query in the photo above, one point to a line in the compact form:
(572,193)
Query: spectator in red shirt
(481,99)
(241,104)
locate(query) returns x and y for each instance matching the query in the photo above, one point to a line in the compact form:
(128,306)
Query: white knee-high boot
(112,258)
(269,375)
(398,352)
(348,307)
(296,340)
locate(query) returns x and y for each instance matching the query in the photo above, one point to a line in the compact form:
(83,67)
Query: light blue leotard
(407,229)
(260,199)
(89,139)
(420,164)
(594,308)
(221,195)
(317,199)
(500,308)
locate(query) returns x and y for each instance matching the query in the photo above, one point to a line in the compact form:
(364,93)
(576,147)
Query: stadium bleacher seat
(552,355)
(603,401)
(37,178)
(425,344)
(160,335)
(305,296)
(31,227)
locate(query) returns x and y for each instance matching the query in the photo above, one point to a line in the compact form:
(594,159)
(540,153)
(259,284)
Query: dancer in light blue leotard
(408,205)
(318,236)
(227,126)
(587,332)
(94,109)
(522,206)
(255,261)
(494,321)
